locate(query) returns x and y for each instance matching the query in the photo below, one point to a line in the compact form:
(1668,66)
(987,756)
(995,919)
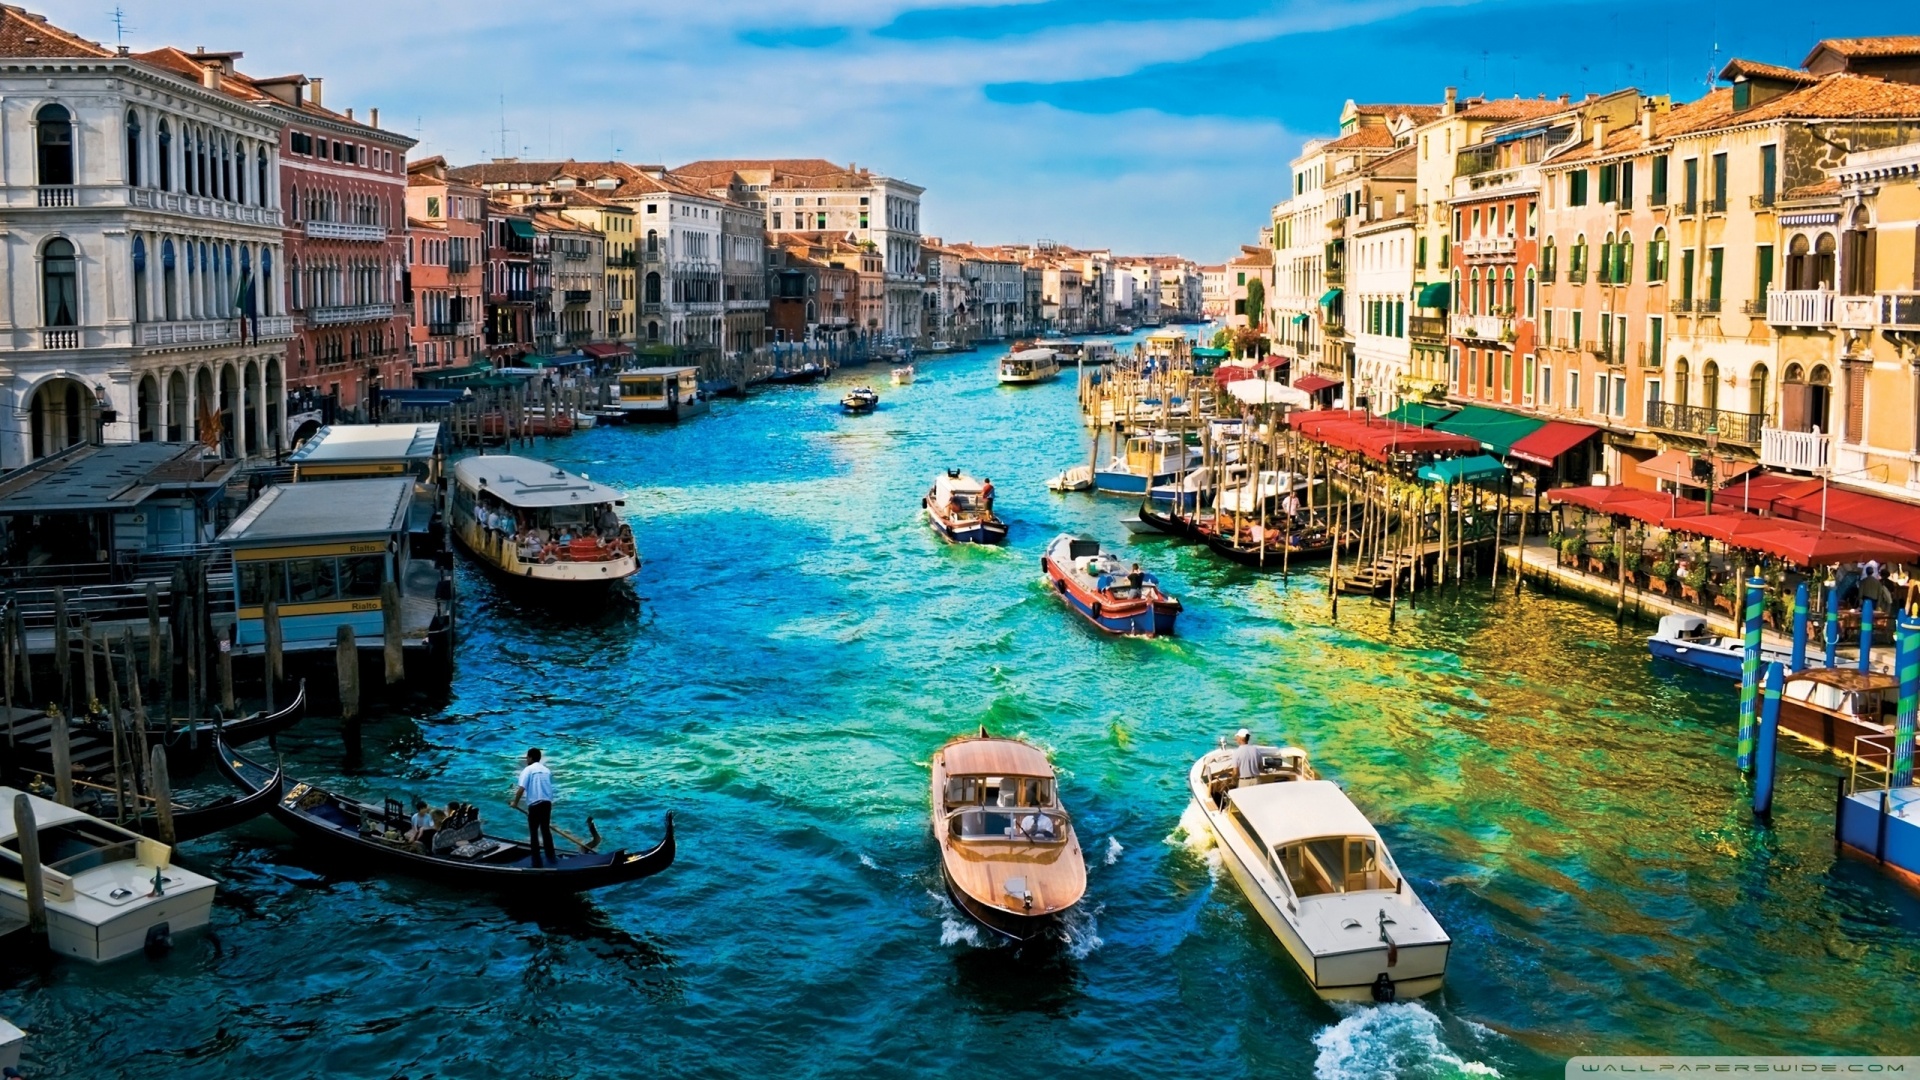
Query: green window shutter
(1690,169)
(1658,197)
(1686,275)
(1626,185)
(1720,181)
(1624,267)
(1655,341)
(1763,261)
(1769,172)
(1420,252)
(1716,261)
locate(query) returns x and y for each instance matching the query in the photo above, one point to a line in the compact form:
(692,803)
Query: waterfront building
(615,222)
(578,255)
(1146,289)
(815,291)
(1380,282)
(1216,301)
(808,195)
(996,282)
(142,229)
(952,311)
(447,266)
(516,292)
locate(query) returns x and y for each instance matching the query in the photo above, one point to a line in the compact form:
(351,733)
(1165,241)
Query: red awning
(1736,528)
(606,352)
(1231,373)
(1313,384)
(1649,506)
(1812,547)
(1379,438)
(1676,466)
(1272,362)
(1760,490)
(1545,446)
(1855,511)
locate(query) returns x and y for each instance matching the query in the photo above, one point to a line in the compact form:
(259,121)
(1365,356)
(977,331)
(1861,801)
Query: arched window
(133,148)
(139,279)
(267,298)
(1577,259)
(260,192)
(202,163)
(165,153)
(1710,386)
(1757,390)
(1623,260)
(1506,292)
(1547,266)
(1823,251)
(653,283)
(226,170)
(1682,382)
(60,283)
(54,136)
(1607,254)
(1857,276)
(168,282)
(1533,295)
(1657,256)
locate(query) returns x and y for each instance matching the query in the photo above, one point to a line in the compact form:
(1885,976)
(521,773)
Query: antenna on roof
(120,27)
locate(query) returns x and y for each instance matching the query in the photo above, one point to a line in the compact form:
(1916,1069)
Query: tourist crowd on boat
(606,537)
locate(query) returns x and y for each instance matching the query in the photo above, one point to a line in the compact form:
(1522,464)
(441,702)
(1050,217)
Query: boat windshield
(72,848)
(1333,864)
(1004,808)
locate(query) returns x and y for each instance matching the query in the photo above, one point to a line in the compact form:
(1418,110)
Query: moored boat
(1078,478)
(531,522)
(1029,366)
(1105,591)
(109,892)
(1845,710)
(464,855)
(1276,545)
(663,394)
(1008,851)
(1320,877)
(860,399)
(1148,461)
(959,510)
(1686,639)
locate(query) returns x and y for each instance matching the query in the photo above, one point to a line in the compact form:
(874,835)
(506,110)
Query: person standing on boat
(986,494)
(1290,506)
(535,784)
(1246,756)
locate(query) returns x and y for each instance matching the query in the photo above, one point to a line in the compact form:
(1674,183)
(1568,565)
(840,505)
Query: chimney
(373,118)
(1452,103)
(349,112)
(210,76)
(1646,119)
(1563,99)
(313,91)
(1600,132)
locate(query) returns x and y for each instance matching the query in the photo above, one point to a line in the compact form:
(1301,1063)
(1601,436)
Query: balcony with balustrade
(1483,327)
(1742,429)
(346,314)
(1800,451)
(1488,247)
(578,297)
(214,331)
(1429,328)
(340,230)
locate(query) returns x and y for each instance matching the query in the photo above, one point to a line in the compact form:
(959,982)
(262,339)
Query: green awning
(1471,470)
(1329,297)
(521,229)
(1300,319)
(1208,353)
(1496,430)
(1435,295)
(1420,414)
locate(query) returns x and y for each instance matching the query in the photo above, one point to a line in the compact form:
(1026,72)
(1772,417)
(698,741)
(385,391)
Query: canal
(799,646)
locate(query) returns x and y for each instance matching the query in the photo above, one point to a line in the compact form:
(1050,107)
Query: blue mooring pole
(1753,603)
(1833,625)
(1764,753)
(1799,660)
(1906,665)
(1866,636)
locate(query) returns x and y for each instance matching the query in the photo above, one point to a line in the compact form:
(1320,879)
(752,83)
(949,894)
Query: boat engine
(159,939)
(1383,989)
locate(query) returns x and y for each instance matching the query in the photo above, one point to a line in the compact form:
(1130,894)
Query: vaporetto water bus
(1029,366)
(529,521)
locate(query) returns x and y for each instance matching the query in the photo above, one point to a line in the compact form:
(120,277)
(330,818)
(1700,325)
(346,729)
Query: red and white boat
(1107,592)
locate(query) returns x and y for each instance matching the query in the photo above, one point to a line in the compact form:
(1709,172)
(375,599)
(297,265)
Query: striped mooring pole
(1907,665)
(1798,662)
(1866,636)
(1750,671)
(1833,625)
(1766,752)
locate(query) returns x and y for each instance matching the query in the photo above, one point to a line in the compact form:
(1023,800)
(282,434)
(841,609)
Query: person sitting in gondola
(421,832)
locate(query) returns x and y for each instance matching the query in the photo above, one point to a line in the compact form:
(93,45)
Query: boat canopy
(527,484)
(1033,356)
(1301,810)
(323,513)
(364,444)
(995,757)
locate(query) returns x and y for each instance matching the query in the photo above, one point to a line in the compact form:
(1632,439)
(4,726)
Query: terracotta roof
(786,166)
(23,33)
(1893,45)
(1251,255)
(1811,191)
(1511,109)
(1374,137)
(1418,113)
(547,219)
(1753,69)
(1391,164)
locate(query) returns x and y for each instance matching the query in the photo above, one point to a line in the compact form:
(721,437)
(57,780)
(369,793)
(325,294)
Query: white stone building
(141,221)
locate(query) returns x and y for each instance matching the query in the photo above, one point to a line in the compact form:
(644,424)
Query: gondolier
(535,784)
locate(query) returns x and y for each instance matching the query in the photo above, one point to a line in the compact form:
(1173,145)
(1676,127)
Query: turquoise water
(800,645)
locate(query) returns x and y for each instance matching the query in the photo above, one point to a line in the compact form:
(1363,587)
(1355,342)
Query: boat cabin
(1097,352)
(323,552)
(661,389)
(1165,344)
(998,789)
(1063,349)
(1313,836)
(1869,696)
(1157,454)
(1030,363)
(1278,764)
(359,451)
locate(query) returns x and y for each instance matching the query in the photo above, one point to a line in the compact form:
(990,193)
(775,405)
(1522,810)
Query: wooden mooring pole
(27,833)
(61,750)
(62,646)
(160,789)
(346,661)
(393,644)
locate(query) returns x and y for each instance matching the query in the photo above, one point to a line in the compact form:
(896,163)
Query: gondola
(191,742)
(189,822)
(1184,526)
(355,831)
(1314,544)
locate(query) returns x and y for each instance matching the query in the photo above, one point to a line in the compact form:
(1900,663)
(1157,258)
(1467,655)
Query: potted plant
(1601,559)
(1631,558)
(1571,547)
(1693,587)
(1661,580)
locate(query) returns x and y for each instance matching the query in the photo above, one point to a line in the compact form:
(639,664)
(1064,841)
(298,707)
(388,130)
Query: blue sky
(1142,126)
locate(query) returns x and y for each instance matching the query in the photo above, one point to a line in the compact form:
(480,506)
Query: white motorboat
(1029,366)
(903,375)
(12,1039)
(583,421)
(1250,494)
(110,892)
(1078,478)
(1320,877)
(1686,639)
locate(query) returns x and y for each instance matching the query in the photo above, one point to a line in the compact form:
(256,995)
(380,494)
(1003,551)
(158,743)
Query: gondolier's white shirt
(537,781)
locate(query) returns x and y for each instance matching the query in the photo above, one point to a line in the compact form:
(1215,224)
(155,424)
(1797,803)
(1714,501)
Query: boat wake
(1402,1040)
(1194,836)
(1080,932)
(955,928)
(867,861)
(1113,850)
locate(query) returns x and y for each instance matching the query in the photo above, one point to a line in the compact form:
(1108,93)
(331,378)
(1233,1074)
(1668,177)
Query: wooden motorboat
(903,375)
(1008,851)
(1842,709)
(1686,639)
(110,892)
(957,509)
(1149,461)
(564,533)
(1029,366)
(860,399)
(360,832)
(1320,877)
(1107,592)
